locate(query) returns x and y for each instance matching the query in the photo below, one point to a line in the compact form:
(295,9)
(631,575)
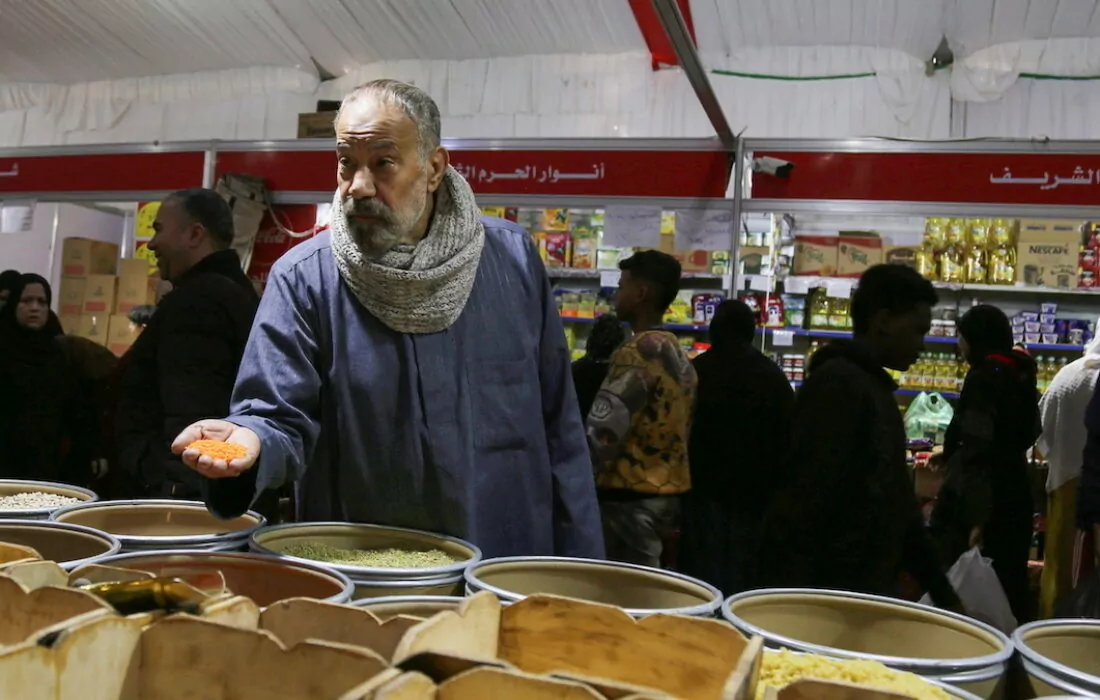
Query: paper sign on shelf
(16,217)
(761,283)
(838,289)
(704,229)
(631,227)
(798,285)
(782,339)
(610,278)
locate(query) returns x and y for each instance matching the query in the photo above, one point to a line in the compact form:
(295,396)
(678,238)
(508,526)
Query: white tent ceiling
(68,41)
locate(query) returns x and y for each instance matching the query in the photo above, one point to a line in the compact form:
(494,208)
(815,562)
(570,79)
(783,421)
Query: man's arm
(1088,491)
(624,394)
(577,528)
(277,396)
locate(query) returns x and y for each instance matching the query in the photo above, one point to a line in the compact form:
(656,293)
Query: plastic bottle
(1041,381)
(953,257)
(1002,256)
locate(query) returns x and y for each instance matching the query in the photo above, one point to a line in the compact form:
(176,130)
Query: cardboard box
(857,251)
(99,294)
(815,256)
(93,327)
(754,260)
(70,296)
(120,334)
(81,257)
(134,288)
(693,260)
(135,267)
(70,323)
(317,125)
(1047,252)
(901,255)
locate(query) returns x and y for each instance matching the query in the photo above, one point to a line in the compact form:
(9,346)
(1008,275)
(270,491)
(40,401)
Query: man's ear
(196,234)
(437,167)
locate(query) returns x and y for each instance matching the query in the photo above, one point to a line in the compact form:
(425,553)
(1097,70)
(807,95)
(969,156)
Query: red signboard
(504,172)
(984,178)
(113,172)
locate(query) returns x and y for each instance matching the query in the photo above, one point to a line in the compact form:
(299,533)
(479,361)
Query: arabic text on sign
(531,173)
(1080,176)
(13,171)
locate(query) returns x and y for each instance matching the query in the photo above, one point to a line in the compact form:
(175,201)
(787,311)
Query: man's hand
(222,431)
(975,537)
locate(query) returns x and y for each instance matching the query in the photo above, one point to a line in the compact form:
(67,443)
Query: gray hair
(414,102)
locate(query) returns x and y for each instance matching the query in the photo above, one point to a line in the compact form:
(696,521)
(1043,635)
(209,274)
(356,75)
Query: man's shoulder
(310,250)
(509,236)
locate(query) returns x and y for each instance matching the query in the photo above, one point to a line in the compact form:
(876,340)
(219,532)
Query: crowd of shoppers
(363,379)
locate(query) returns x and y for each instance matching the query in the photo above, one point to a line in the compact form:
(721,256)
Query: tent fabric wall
(578,96)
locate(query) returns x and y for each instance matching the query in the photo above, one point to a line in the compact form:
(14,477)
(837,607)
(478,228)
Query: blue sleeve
(578,531)
(277,396)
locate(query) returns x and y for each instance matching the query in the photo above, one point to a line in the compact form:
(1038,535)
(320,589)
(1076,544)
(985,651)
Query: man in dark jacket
(743,399)
(183,365)
(846,516)
(1087,550)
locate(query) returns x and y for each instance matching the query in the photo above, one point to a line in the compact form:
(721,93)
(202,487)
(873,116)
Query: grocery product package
(980,591)
(928,417)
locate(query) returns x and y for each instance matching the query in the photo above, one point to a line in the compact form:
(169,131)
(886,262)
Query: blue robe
(473,431)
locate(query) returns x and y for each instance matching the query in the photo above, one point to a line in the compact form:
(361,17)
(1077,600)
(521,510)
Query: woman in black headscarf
(41,426)
(590,371)
(986,496)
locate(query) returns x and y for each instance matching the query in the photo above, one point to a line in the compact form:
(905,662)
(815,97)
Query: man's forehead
(371,119)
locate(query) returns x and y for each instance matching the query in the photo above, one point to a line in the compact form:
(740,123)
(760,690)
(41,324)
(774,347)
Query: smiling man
(409,367)
(183,365)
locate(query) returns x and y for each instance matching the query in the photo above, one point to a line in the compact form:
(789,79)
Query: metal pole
(735,240)
(676,29)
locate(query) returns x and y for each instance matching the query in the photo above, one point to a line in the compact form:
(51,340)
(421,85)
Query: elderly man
(408,367)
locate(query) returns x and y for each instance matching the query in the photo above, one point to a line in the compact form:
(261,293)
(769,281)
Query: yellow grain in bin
(1061,657)
(904,636)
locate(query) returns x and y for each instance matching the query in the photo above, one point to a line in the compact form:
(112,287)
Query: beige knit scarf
(421,288)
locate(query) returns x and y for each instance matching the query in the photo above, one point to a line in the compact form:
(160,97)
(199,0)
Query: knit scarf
(421,288)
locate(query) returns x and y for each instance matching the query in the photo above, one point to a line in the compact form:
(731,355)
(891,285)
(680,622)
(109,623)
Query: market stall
(1008,223)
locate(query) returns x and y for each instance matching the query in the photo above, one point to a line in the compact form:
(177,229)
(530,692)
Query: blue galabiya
(471,431)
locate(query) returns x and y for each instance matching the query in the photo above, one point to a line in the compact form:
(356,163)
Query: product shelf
(812,333)
(909,392)
(689,327)
(574,273)
(1017,289)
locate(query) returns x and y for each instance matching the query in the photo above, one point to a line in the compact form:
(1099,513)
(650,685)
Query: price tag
(761,283)
(798,285)
(838,289)
(610,278)
(782,339)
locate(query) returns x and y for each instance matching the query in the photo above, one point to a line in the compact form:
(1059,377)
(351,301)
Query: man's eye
(385,162)
(345,162)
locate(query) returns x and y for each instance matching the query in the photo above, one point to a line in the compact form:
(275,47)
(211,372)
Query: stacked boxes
(97,291)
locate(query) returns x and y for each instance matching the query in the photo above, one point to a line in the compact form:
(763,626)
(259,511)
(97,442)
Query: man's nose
(362,185)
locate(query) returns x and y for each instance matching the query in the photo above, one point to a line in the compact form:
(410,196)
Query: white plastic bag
(980,591)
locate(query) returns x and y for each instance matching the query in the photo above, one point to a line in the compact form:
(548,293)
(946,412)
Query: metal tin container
(157,525)
(10,487)
(71,546)
(640,590)
(376,582)
(935,644)
(1061,657)
(415,605)
(265,580)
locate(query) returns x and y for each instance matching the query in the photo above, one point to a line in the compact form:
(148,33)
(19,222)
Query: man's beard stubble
(387,228)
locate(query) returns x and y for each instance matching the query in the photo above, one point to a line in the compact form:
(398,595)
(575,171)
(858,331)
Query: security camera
(772,166)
